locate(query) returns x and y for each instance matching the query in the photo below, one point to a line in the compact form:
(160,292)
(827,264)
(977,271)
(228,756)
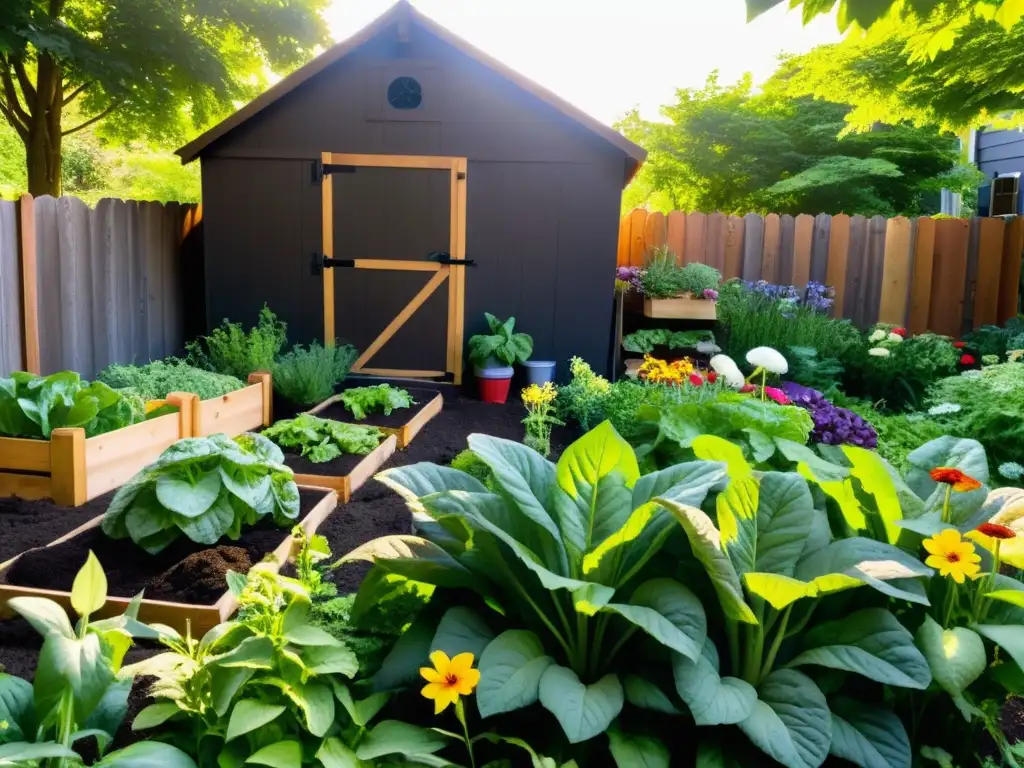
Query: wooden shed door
(394,242)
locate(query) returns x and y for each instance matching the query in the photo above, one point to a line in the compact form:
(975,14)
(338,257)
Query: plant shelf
(429,405)
(683,307)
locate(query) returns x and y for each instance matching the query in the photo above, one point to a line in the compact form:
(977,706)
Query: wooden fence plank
(621,259)
(74,270)
(734,237)
(676,241)
(921,283)
(988,271)
(787,237)
(637,251)
(819,247)
(971,275)
(1009,277)
(770,251)
(696,237)
(11,348)
(838,255)
(948,277)
(896,273)
(853,305)
(873,268)
(803,238)
(714,245)
(28,254)
(654,231)
(753,243)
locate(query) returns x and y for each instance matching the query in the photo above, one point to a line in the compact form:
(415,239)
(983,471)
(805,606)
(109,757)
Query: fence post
(29,283)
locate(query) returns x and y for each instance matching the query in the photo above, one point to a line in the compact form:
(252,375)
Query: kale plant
(323,440)
(307,375)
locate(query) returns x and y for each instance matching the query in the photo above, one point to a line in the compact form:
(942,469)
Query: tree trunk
(43,146)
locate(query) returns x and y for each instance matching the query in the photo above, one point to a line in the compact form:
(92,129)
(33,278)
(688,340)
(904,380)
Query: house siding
(999,152)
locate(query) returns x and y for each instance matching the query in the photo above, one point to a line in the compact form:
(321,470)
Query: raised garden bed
(243,410)
(344,474)
(403,423)
(183,584)
(683,307)
(71,469)
(28,523)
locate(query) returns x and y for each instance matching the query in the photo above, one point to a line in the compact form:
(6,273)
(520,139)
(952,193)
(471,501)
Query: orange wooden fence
(942,275)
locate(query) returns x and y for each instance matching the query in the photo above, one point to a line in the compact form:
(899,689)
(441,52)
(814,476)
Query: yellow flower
(535,395)
(449,679)
(953,556)
(152,405)
(1014,355)
(662,372)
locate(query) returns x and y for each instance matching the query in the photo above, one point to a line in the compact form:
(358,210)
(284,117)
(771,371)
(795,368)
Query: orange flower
(996,531)
(952,476)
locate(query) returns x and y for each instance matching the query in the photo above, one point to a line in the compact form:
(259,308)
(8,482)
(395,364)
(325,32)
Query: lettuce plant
(323,440)
(204,488)
(362,401)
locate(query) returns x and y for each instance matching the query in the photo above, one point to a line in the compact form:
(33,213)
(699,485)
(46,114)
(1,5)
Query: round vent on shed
(405,93)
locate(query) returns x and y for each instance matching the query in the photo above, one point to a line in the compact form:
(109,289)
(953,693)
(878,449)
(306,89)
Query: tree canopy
(729,149)
(150,68)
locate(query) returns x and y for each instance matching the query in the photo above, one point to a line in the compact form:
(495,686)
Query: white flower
(878,335)
(878,352)
(769,359)
(895,338)
(726,367)
(943,408)
(973,373)
(1011,470)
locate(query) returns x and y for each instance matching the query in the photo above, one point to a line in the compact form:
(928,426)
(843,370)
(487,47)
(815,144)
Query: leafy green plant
(644,341)
(806,367)
(323,440)
(307,375)
(660,277)
(582,399)
(362,401)
(79,691)
(897,373)
(231,350)
(33,406)
(468,462)
(899,434)
(996,340)
(696,278)
(156,380)
(204,488)
(502,344)
(266,689)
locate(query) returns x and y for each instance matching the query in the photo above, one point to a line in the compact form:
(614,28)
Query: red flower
(900,332)
(696,379)
(712,377)
(777,395)
(959,344)
(996,531)
(967,360)
(746,389)
(954,477)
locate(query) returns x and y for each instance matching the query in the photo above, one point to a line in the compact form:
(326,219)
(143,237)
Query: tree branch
(91,120)
(15,121)
(75,93)
(13,103)
(23,79)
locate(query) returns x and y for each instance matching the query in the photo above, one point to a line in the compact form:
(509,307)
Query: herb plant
(362,401)
(33,406)
(204,488)
(156,380)
(80,691)
(307,375)
(660,277)
(698,280)
(502,344)
(231,350)
(644,341)
(323,440)
(583,398)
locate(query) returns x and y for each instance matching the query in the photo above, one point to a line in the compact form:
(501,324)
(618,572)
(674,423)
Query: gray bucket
(539,372)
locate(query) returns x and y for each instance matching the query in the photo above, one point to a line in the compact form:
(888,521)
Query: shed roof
(404,13)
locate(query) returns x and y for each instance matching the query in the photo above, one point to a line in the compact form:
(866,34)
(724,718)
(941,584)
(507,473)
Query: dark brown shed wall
(543,196)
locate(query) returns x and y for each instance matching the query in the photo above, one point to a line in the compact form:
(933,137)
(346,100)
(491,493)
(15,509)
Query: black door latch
(445,258)
(319,263)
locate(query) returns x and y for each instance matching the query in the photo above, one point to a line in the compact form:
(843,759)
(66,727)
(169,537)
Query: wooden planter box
(682,308)
(177,615)
(243,410)
(405,433)
(72,469)
(346,485)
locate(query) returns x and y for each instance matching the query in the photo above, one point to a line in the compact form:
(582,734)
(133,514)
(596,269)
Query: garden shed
(400,185)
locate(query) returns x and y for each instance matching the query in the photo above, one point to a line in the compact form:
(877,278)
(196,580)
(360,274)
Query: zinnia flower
(777,395)
(878,352)
(769,359)
(712,377)
(960,481)
(727,367)
(996,531)
(696,380)
(953,556)
(901,332)
(967,360)
(959,344)
(449,679)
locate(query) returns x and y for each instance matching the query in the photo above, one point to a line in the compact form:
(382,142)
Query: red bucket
(494,384)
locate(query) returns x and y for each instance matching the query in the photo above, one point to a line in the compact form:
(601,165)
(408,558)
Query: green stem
(565,622)
(945,504)
(460,712)
(66,726)
(950,601)
(547,622)
(754,653)
(981,605)
(798,627)
(780,635)
(764,378)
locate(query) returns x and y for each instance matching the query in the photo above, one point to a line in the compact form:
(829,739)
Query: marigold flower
(952,556)
(662,372)
(996,531)
(960,481)
(449,679)
(535,395)
(967,360)
(878,352)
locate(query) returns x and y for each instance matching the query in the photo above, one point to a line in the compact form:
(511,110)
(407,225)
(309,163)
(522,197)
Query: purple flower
(711,294)
(832,425)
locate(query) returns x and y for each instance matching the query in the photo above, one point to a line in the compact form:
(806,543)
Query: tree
(142,67)
(725,148)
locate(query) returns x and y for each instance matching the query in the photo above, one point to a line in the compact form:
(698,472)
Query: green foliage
(205,488)
(995,340)
(502,344)
(695,278)
(232,351)
(33,406)
(156,380)
(362,401)
(79,691)
(729,149)
(468,462)
(663,278)
(806,367)
(644,341)
(899,434)
(899,379)
(323,440)
(582,399)
(307,375)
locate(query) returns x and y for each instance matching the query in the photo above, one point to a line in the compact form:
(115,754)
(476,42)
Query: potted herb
(494,354)
(671,291)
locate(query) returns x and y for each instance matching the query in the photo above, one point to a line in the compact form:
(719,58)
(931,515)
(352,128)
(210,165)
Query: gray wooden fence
(107,282)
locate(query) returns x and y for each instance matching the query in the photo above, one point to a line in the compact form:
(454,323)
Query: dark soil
(185,572)
(283,408)
(339,467)
(397,418)
(27,524)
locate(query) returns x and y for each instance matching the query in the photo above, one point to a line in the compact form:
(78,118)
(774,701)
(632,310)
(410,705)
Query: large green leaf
(717,449)
(147,754)
(1010,639)
(392,737)
(875,563)
(188,498)
(791,721)
(334,753)
(154,715)
(280,754)
(711,699)
(642,693)
(416,559)
(583,711)
(16,708)
(870,642)
(316,700)
(736,509)
(956,656)
(250,714)
(874,476)
(810,464)
(966,455)
(401,666)
(211,525)
(20,753)
(705,540)
(595,476)
(511,667)
(636,751)
(867,736)
(46,617)
(668,612)
(77,665)
(89,590)
(414,481)
(461,630)
(785,511)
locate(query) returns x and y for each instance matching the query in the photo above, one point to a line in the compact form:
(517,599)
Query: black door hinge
(445,258)
(320,169)
(319,263)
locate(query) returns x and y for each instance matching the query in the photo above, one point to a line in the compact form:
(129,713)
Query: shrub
(156,380)
(696,278)
(995,340)
(896,372)
(307,375)
(231,350)
(660,277)
(583,398)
